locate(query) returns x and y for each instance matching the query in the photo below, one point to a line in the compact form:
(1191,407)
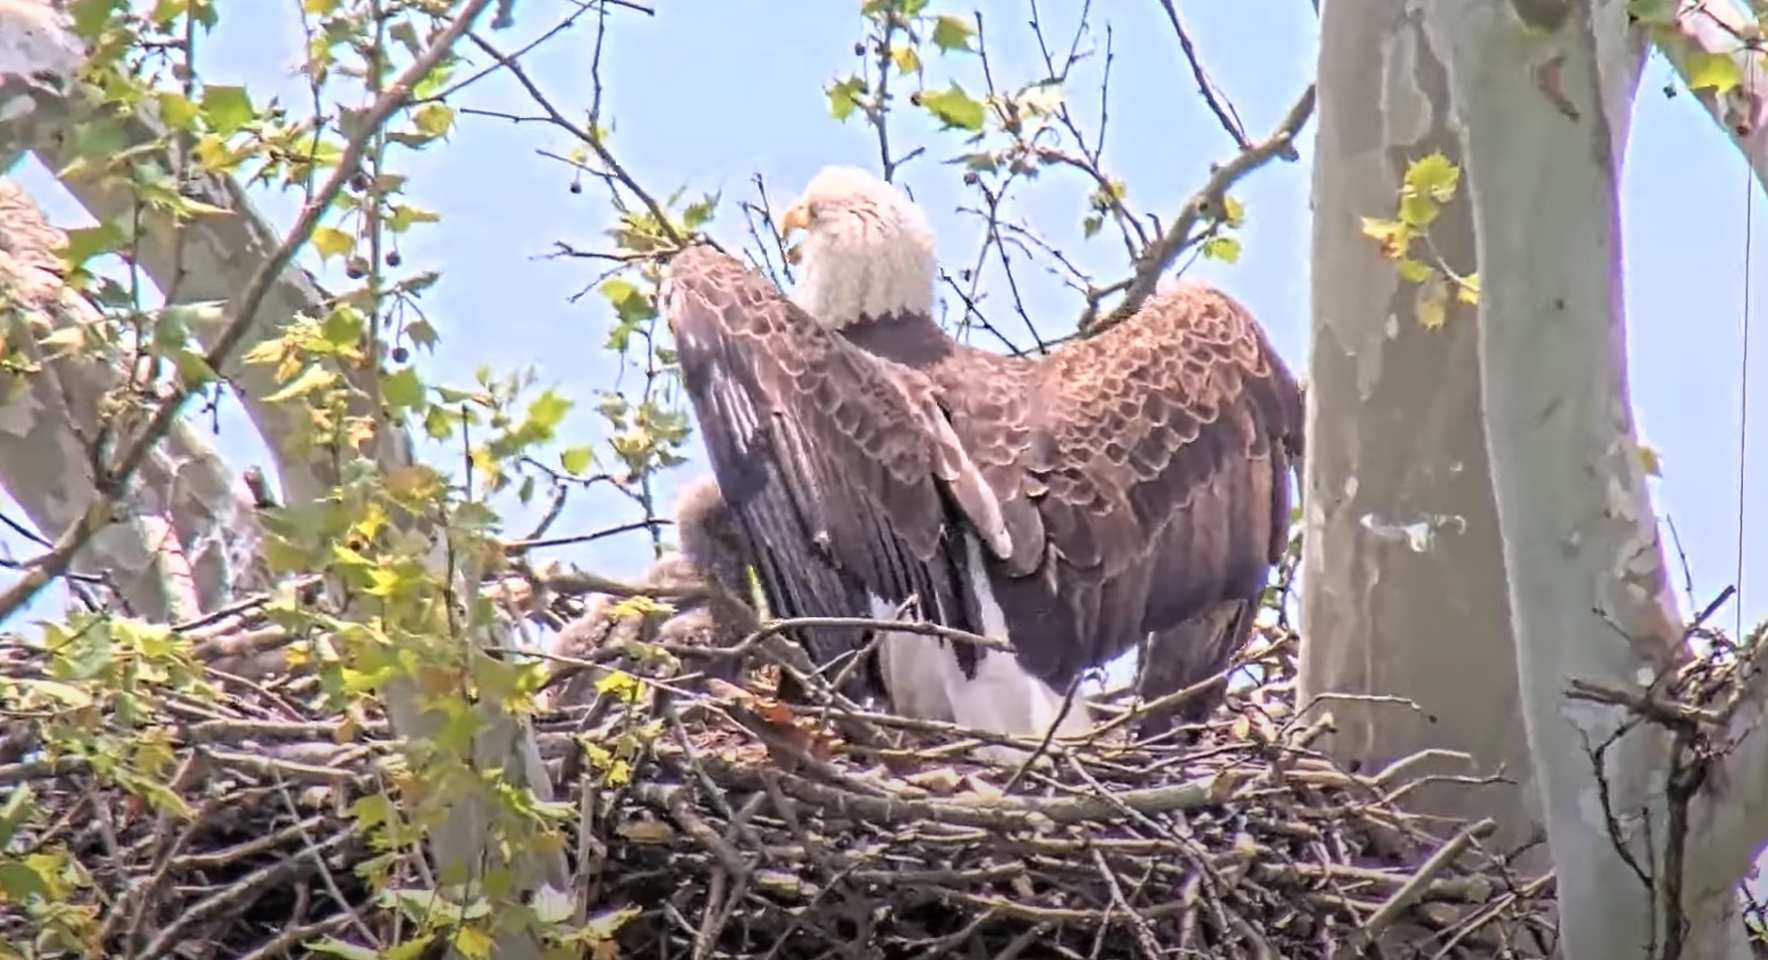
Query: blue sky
(707,94)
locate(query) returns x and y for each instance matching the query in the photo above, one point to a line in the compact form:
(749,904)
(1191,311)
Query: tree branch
(185,504)
(1155,260)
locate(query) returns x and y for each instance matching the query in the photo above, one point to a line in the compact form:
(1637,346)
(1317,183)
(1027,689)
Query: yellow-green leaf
(63,339)
(1223,248)
(1233,211)
(332,242)
(905,58)
(177,110)
(844,96)
(1393,236)
(1651,461)
(1413,271)
(952,32)
(472,942)
(84,243)
(1433,304)
(1433,176)
(402,389)
(577,459)
(433,119)
(1467,290)
(227,108)
(1714,71)
(311,379)
(954,108)
(1417,210)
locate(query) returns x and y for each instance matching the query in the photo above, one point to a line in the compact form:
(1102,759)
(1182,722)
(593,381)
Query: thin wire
(1743,398)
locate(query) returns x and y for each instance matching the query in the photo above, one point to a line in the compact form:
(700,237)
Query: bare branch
(1206,202)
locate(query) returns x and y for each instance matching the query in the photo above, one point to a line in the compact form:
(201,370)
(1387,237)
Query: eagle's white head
(867,248)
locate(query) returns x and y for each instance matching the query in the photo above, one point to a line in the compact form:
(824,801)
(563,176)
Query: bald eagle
(1127,484)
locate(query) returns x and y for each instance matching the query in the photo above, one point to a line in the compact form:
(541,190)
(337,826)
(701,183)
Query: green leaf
(578,459)
(439,422)
(349,951)
(1223,248)
(844,96)
(227,108)
(433,119)
(547,410)
(951,32)
(905,57)
(177,110)
(311,379)
(954,108)
(421,334)
(1467,290)
(1091,225)
(1394,237)
(1659,12)
(402,389)
(630,303)
(698,214)
(1651,461)
(1417,211)
(1432,176)
(1715,71)
(342,327)
(404,215)
(332,242)
(63,339)
(193,367)
(92,17)
(1415,271)
(1433,304)
(84,243)
(21,883)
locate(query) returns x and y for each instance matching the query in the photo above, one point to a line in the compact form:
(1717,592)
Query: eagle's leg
(1187,654)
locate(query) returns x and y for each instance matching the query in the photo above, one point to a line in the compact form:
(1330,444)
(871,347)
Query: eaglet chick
(710,554)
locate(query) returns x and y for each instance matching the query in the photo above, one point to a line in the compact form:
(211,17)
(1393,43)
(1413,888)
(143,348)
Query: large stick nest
(726,825)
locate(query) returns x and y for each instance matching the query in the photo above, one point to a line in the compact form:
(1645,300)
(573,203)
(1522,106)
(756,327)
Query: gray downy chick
(711,557)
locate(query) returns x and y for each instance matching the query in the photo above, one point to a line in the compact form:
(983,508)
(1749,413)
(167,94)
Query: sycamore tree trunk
(187,541)
(1534,99)
(1403,579)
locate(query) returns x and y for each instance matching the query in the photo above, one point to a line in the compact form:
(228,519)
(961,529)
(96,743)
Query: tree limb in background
(231,255)
(1717,48)
(185,515)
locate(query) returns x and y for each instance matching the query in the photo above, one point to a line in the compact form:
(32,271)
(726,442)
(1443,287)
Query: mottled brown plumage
(1128,483)
(837,465)
(1142,476)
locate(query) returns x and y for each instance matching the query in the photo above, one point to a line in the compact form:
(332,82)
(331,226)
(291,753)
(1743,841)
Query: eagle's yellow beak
(796,217)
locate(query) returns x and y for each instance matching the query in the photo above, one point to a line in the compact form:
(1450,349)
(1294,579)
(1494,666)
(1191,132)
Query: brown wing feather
(1156,455)
(837,465)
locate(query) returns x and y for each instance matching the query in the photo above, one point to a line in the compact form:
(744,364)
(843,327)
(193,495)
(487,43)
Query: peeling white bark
(1396,449)
(188,517)
(39,57)
(1543,118)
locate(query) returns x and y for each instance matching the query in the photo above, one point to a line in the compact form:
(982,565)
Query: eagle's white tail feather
(924,680)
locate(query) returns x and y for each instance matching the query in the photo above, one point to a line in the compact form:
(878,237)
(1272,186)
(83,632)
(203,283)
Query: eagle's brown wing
(1157,457)
(838,465)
